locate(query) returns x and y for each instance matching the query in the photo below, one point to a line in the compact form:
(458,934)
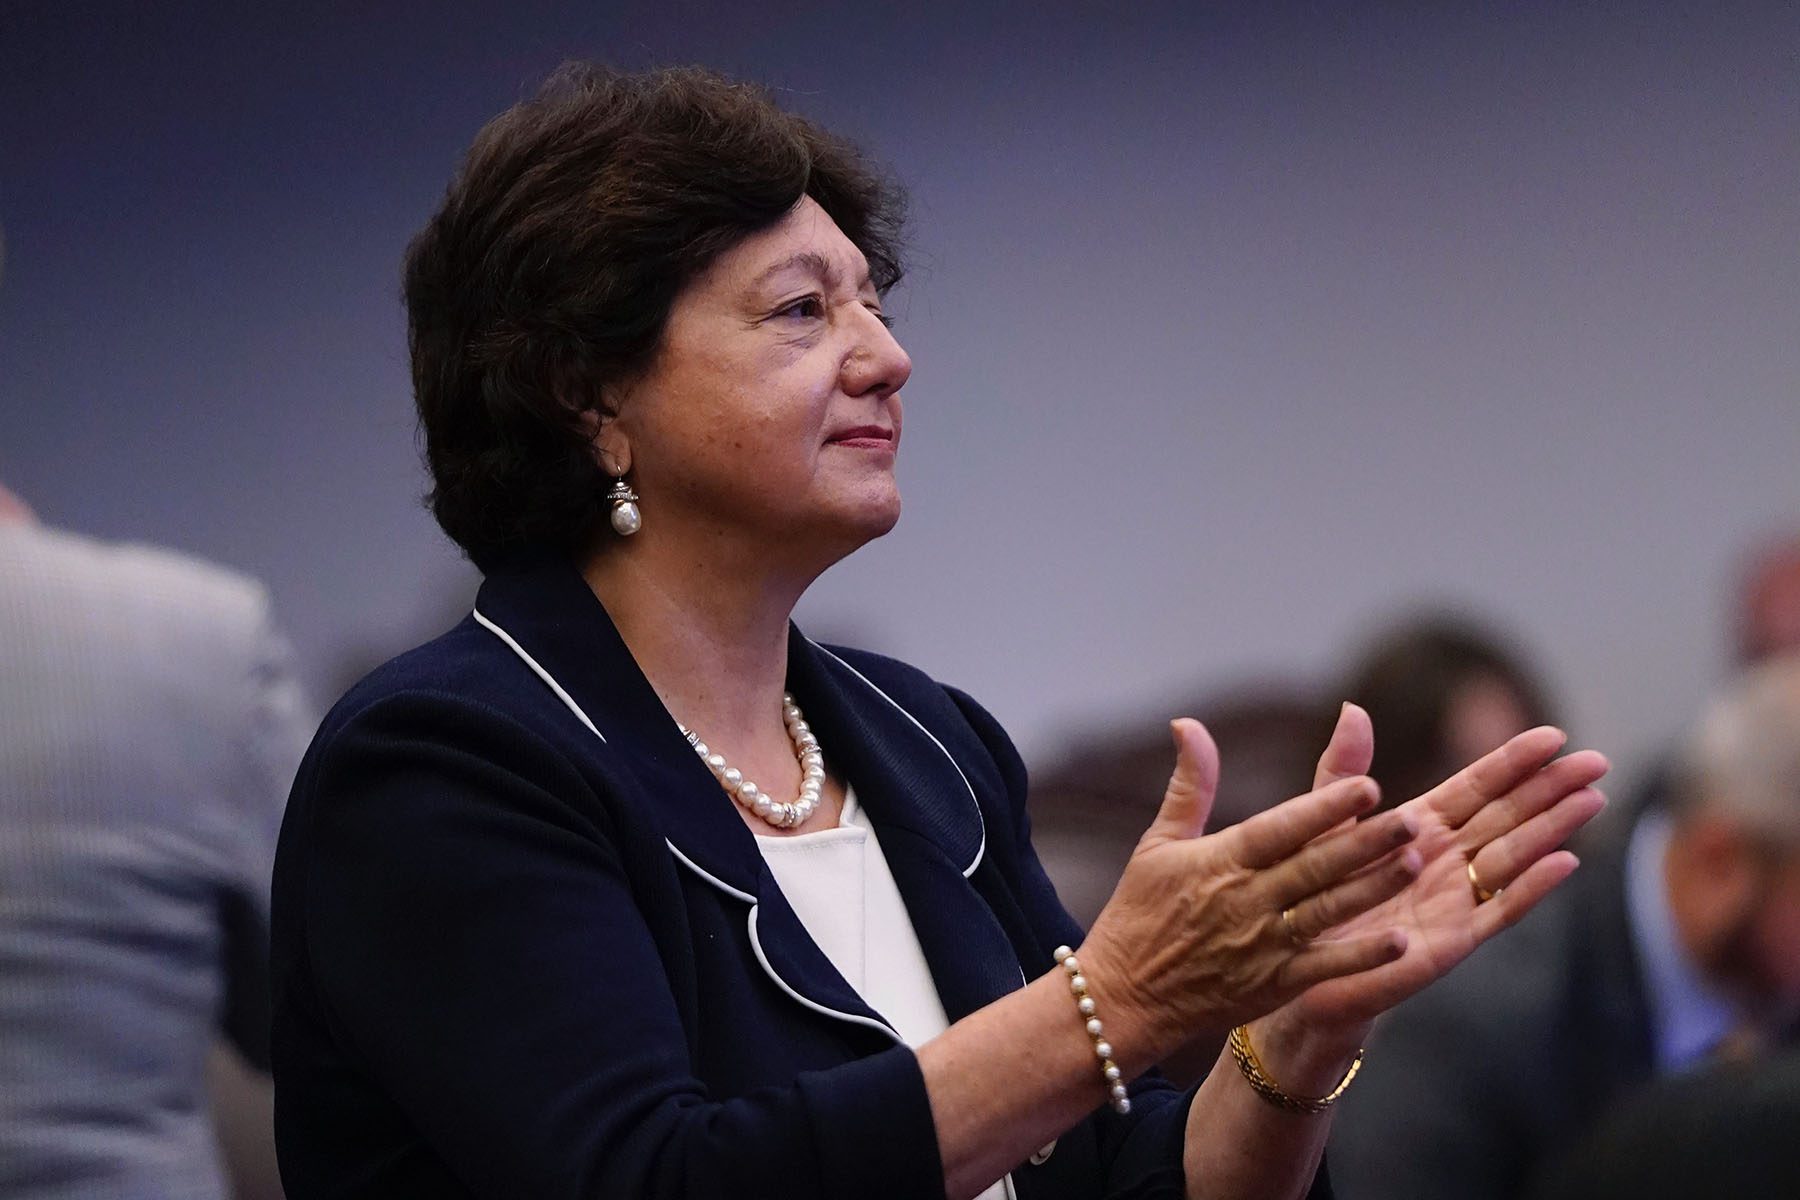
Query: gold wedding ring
(1482,895)
(1293,931)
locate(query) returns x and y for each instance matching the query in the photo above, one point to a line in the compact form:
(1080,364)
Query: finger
(1336,958)
(1189,798)
(1333,858)
(1350,750)
(1538,881)
(1493,775)
(1536,794)
(1275,833)
(1505,859)
(1378,884)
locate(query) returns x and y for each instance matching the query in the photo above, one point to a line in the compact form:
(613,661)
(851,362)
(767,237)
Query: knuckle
(1309,875)
(1324,911)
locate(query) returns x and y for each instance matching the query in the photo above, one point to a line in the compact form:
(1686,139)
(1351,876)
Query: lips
(871,436)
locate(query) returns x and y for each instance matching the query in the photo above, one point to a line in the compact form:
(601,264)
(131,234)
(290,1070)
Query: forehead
(806,244)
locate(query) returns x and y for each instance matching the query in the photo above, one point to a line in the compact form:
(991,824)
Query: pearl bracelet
(1084,1003)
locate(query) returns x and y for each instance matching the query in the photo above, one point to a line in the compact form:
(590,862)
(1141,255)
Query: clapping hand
(1493,828)
(1307,910)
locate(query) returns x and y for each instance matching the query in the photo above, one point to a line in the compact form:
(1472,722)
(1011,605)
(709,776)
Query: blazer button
(1043,1153)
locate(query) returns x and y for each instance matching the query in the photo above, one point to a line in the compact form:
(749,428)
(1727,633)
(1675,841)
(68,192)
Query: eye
(805,308)
(886,320)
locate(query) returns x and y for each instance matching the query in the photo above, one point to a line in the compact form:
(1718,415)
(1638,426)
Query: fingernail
(1406,828)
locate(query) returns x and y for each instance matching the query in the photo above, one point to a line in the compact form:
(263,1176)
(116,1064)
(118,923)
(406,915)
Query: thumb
(1351,750)
(1189,800)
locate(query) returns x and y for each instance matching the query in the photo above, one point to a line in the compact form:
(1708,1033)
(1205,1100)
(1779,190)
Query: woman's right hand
(1194,936)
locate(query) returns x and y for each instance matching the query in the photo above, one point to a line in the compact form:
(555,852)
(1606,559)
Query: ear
(601,426)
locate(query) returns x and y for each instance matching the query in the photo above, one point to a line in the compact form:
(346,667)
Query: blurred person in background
(1675,946)
(538,931)
(1765,622)
(150,725)
(1441,691)
(1768,621)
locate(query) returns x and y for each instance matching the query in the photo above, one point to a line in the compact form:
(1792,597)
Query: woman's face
(771,415)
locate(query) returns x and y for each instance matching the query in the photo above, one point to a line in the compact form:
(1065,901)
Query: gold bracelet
(1271,1091)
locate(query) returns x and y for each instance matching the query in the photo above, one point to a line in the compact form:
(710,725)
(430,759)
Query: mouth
(864,437)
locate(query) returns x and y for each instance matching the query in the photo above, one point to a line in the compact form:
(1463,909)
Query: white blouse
(838,883)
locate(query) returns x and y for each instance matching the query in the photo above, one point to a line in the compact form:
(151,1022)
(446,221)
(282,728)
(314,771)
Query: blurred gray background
(1238,328)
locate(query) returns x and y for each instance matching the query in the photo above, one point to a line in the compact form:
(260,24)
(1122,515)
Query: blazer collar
(917,797)
(903,774)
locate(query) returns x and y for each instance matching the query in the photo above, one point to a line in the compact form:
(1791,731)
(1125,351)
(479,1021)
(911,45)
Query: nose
(876,364)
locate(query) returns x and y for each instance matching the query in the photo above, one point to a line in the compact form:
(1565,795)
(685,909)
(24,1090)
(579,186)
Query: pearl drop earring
(626,519)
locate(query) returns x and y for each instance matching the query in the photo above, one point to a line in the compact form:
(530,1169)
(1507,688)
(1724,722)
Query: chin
(883,521)
(873,508)
(851,531)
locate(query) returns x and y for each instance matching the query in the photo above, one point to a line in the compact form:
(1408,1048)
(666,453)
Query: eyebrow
(813,262)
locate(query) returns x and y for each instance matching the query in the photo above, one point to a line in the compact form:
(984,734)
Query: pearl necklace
(812,772)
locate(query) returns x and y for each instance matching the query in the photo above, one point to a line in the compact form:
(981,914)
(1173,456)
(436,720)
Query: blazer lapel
(553,623)
(926,816)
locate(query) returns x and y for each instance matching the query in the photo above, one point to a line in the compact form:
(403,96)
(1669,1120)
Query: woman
(536,938)
(1442,690)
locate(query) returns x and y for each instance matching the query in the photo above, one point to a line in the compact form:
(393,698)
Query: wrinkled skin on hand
(1194,938)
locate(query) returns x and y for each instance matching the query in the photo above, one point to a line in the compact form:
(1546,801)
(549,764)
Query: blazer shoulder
(889,674)
(464,673)
(936,705)
(448,712)
(966,730)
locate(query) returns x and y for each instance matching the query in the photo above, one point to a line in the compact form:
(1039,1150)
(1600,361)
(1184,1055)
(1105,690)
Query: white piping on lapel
(750,922)
(854,1018)
(763,959)
(541,673)
(703,873)
(982,821)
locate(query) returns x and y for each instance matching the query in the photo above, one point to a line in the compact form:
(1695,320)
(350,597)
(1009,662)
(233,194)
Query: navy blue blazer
(525,947)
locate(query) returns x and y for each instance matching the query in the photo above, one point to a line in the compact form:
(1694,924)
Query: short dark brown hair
(576,219)
(1408,680)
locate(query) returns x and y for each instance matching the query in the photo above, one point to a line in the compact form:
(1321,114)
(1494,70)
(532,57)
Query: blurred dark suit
(1475,1084)
(1730,1131)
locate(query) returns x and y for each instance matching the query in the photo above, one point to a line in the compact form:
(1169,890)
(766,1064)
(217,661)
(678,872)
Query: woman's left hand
(1508,814)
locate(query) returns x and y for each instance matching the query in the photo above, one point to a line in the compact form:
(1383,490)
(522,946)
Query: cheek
(1483,714)
(786,409)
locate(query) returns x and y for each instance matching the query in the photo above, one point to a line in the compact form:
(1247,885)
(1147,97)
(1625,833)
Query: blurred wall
(1236,326)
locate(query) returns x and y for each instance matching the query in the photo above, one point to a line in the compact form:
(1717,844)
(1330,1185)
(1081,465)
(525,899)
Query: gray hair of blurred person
(1733,863)
(1743,760)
